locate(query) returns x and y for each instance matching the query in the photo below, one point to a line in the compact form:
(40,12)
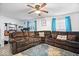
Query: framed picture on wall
(43,22)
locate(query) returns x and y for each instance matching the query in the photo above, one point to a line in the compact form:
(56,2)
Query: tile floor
(39,50)
(5,51)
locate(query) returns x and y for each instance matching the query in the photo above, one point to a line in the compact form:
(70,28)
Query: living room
(39,29)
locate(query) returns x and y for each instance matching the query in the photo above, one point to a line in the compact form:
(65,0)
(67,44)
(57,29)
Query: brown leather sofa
(70,44)
(22,41)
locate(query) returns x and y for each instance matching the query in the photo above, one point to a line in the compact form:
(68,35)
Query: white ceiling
(20,10)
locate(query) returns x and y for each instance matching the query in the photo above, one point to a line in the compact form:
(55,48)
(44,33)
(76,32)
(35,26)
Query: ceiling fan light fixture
(38,8)
(37,12)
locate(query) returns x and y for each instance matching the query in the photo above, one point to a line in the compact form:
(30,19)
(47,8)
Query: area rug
(47,50)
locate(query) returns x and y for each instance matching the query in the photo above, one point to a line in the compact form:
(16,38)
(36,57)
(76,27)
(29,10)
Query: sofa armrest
(12,41)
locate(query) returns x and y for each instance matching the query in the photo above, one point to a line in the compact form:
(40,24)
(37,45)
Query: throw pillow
(72,37)
(62,37)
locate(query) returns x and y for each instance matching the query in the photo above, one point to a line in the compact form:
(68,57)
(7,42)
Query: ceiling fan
(38,9)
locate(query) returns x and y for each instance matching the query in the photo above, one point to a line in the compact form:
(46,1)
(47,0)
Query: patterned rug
(47,50)
(39,50)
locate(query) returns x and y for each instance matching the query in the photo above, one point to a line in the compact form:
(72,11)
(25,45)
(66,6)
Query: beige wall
(46,27)
(74,22)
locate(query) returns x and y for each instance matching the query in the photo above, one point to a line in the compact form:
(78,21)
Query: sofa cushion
(54,35)
(73,44)
(32,34)
(19,38)
(31,40)
(62,37)
(72,37)
(41,34)
(21,43)
(18,34)
(69,43)
(25,33)
(77,39)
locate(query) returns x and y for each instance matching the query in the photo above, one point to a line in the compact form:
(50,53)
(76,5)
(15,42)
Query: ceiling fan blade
(44,11)
(30,6)
(31,12)
(44,4)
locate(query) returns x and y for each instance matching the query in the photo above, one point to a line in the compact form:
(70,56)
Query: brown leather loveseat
(21,41)
(71,43)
